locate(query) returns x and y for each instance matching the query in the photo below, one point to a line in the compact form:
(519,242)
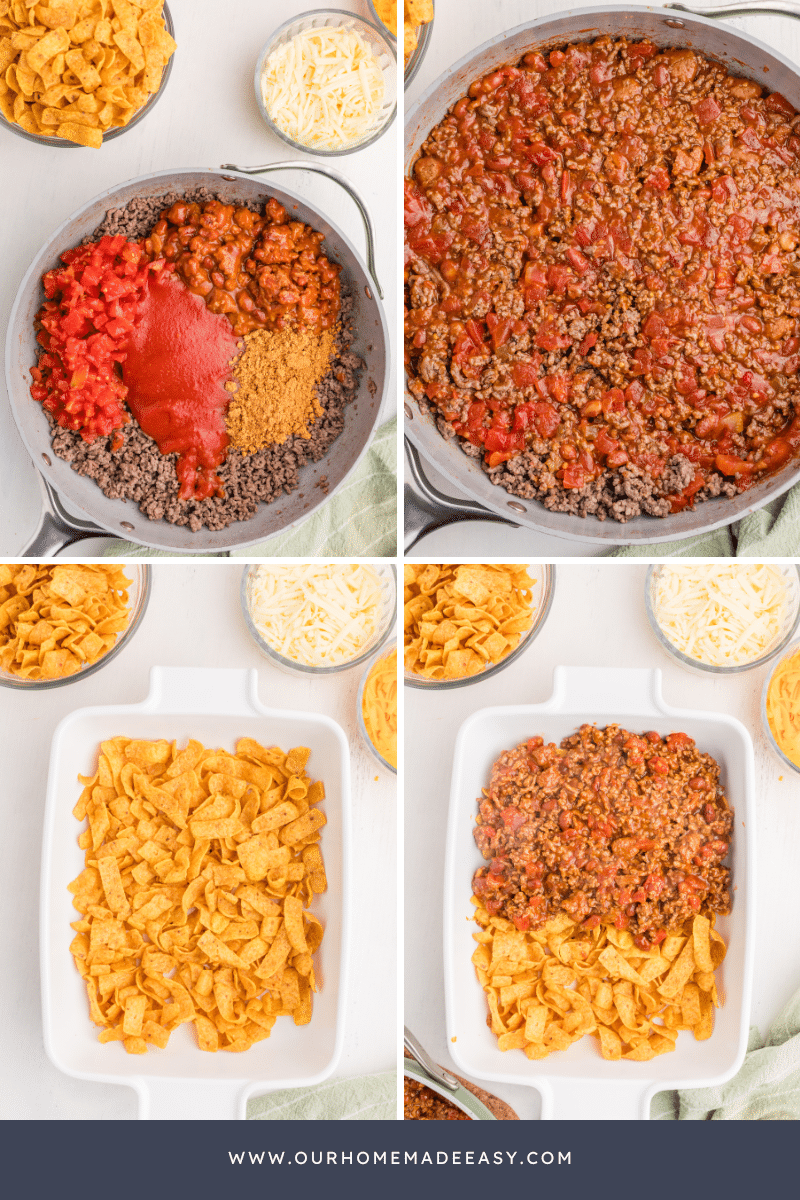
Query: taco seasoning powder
(275,379)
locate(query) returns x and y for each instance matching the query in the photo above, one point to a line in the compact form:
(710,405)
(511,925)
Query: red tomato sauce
(178,361)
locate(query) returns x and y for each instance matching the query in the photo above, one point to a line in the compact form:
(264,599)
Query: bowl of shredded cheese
(319,618)
(780,707)
(326,82)
(376,709)
(723,617)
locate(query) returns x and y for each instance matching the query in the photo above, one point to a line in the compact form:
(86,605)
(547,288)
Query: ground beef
(609,826)
(421,1103)
(138,471)
(601,259)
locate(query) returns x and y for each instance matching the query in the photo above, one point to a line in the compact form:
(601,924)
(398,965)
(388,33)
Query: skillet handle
(57,528)
(595,1099)
(426,508)
(343,182)
(781,8)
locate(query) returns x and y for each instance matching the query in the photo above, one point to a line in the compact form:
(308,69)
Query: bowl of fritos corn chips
(417,29)
(60,622)
(463,622)
(80,72)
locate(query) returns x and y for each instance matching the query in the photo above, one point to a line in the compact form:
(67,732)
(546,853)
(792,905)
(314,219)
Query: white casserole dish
(578,1083)
(182,1082)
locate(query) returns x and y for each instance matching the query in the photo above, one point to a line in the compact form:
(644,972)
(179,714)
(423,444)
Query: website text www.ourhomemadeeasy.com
(399,1158)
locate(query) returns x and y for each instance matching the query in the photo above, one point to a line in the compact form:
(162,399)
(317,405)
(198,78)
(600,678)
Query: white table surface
(597,619)
(207,116)
(461,26)
(194,619)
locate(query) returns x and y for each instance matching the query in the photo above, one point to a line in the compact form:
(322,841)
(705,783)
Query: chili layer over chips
(607,825)
(200,867)
(459,617)
(549,988)
(55,620)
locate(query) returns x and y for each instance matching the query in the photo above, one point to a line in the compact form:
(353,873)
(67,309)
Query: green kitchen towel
(365,1098)
(771,532)
(359,521)
(766,1089)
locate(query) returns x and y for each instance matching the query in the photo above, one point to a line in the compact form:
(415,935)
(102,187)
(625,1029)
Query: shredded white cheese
(721,615)
(317,614)
(324,88)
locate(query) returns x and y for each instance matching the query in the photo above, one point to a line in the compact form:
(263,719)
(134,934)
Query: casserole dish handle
(192,1099)
(344,183)
(595,1099)
(603,690)
(203,690)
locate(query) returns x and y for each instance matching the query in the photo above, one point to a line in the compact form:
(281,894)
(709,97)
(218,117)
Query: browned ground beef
(139,471)
(602,261)
(608,826)
(421,1103)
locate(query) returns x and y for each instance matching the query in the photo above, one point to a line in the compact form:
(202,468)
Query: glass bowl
(543,592)
(387,576)
(791,619)
(424,33)
(788,651)
(379,40)
(362,728)
(63,144)
(385,28)
(138,597)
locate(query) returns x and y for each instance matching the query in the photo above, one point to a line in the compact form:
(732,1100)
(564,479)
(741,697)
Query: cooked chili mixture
(601,269)
(421,1103)
(610,826)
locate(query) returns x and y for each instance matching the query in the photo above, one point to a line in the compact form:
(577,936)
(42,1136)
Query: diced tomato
(574,476)
(604,444)
(729,464)
(558,276)
(548,339)
(93,299)
(499,329)
(475,414)
(524,374)
(706,110)
(654,326)
(613,401)
(415,207)
(475,228)
(558,386)
(779,104)
(546,418)
(658,179)
(579,262)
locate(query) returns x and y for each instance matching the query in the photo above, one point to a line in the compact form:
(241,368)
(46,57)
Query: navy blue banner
(283,1160)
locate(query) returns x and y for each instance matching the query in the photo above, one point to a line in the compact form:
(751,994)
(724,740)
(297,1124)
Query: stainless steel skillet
(427,507)
(89,511)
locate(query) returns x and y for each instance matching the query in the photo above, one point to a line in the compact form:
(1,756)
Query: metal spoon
(442,1077)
